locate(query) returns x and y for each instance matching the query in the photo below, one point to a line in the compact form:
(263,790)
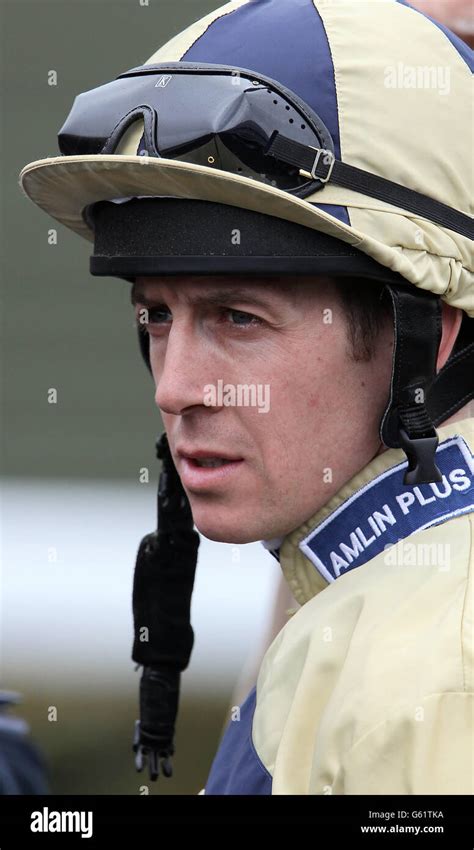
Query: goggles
(209,115)
(234,120)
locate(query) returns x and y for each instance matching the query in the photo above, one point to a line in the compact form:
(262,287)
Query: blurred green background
(63,328)
(88,750)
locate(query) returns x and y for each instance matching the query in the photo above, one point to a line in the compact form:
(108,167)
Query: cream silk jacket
(368,688)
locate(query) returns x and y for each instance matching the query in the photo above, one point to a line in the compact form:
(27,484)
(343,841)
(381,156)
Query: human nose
(184,372)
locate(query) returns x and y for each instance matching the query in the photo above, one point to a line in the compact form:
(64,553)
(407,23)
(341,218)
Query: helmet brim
(65,186)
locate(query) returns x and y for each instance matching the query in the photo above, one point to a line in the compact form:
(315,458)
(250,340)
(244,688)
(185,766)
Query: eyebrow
(215,297)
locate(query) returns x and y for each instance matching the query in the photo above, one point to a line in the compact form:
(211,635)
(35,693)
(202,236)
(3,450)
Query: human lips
(205,454)
(200,468)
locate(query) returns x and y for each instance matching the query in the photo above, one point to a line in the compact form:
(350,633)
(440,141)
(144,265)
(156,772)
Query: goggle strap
(322,165)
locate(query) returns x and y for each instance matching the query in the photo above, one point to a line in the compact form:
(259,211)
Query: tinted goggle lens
(221,119)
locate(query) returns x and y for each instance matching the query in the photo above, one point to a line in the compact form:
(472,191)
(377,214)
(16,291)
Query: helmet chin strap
(406,423)
(163,636)
(419,397)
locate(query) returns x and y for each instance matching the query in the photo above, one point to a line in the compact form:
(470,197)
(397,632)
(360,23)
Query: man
(269,184)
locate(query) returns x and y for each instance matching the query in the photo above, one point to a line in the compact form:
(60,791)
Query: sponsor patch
(386,510)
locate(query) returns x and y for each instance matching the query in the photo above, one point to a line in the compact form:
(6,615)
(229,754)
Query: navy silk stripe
(255,36)
(462,48)
(236,768)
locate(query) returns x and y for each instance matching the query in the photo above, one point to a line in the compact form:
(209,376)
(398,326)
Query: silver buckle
(312,174)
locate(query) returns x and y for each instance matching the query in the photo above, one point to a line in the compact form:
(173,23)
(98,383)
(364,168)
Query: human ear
(451,322)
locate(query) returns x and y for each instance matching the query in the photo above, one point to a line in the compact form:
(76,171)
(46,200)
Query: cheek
(311,412)
(315,391)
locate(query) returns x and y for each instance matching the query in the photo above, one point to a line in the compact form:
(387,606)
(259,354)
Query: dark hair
(367,311)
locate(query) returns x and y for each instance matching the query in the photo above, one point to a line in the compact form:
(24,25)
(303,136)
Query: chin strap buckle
(421,453)
(151,756)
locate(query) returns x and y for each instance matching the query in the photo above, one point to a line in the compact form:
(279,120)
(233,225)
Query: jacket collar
(306,579)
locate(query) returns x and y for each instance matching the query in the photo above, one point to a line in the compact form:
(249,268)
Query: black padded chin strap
(163,636)
(407,423)
(421,399)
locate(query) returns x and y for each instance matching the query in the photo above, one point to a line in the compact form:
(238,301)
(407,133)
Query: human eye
(152,317)
(241,319)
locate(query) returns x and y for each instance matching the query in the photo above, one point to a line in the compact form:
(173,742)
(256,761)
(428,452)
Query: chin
(222,532)
(223,536)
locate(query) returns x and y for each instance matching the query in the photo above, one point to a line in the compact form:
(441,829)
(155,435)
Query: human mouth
(199,469)
(210,462)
